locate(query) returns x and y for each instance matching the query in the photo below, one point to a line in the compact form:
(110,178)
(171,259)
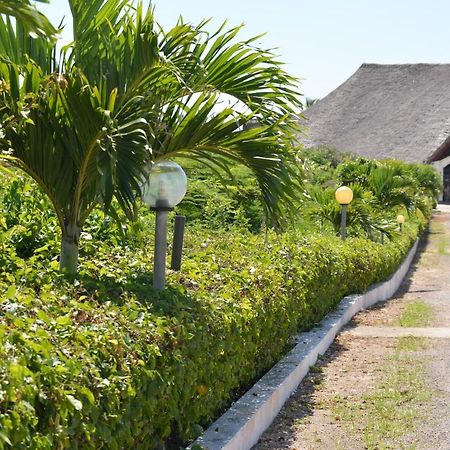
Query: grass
(442,246)
(444,241)
(411,344)
(315,369)
(391,410)
(416,314)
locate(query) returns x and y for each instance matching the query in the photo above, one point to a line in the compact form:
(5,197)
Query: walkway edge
(241,426)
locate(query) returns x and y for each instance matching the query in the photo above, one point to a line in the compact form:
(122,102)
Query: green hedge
(109,364)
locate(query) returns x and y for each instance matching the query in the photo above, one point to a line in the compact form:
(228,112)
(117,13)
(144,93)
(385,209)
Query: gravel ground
(353,365)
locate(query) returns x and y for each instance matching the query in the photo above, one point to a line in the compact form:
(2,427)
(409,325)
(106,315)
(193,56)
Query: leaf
(88,394)
(74,402)
(64,320)
(5,438)
(42,249)
(10,292)
(44,317)
(35,21)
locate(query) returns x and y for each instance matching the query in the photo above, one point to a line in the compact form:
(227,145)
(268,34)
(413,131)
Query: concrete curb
(242,425)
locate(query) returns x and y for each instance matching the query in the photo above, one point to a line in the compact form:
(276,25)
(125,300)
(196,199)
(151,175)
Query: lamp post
(344,195)
(401,220)
(165,188)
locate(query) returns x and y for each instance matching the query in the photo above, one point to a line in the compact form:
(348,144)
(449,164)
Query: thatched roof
(386,111)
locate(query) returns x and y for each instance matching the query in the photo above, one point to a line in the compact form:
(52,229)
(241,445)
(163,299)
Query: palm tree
(29,16)
(87,123)
(321,205)
(391,187)
(310,101)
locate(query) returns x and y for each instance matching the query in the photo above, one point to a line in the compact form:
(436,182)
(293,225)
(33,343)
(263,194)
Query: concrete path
(443,208)
(350,370)
(396,332)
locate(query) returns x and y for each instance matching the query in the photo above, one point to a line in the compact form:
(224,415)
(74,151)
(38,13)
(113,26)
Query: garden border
(240,427)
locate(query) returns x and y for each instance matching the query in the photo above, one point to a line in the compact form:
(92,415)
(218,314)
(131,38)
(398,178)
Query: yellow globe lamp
(344,195)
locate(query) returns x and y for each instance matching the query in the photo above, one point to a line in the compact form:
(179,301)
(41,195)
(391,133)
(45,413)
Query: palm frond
(392,188)
(33,20)
(17,46)
(87,122)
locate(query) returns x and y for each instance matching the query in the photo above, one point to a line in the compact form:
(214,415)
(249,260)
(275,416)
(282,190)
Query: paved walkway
(351,368)
(396,332)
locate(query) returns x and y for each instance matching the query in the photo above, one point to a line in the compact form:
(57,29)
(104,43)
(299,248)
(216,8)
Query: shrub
(355,171)
(231,200)
(320,163)
(108,363)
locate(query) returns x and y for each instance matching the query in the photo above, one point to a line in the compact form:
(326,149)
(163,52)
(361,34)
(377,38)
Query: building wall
(439,166)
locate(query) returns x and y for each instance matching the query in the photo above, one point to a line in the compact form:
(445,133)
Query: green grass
(315,369)
(444,242)
(411,344)
(390,411)
(442,247)
(416,314)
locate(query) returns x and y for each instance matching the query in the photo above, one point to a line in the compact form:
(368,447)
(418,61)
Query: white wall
(439,166)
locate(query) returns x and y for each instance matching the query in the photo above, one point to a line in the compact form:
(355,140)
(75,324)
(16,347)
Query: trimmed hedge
(108,363)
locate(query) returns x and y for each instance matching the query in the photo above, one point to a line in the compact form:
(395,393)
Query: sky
(322,42)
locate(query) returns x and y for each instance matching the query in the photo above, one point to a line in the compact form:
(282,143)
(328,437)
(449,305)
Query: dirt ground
(329,410)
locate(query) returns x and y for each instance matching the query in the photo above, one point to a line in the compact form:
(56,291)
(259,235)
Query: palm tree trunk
(68,261)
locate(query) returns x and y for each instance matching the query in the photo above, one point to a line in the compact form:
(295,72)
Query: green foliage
(29,16)
(107,362)
(393,183)
(391,188)
(382,189)
(320,164)
(429,181)
(324,156)
(87,123)
(26,231)
(355,171)
(230,200)
(362,217)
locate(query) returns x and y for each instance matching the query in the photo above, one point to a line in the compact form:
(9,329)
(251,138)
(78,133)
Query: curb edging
(241,426)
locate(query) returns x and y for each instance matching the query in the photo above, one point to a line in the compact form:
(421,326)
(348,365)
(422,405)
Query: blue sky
(322,41)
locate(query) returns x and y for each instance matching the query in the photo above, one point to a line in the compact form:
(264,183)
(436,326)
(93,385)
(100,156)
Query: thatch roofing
(386,111)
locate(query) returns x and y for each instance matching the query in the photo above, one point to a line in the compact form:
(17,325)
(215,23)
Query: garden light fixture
(165,188)
(344,195)
(401,220)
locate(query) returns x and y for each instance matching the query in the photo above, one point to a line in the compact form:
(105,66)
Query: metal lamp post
(165,188)
(401,220)
(344,195)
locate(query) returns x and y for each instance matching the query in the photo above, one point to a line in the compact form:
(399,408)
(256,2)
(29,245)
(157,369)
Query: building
(388,111)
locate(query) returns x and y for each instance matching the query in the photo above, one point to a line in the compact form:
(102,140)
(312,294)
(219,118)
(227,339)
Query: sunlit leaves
(108,362)
(87,122)
(29,16)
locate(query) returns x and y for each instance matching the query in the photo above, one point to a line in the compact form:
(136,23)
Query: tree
(87,123)
(310,101)
(392,188)
(362,216)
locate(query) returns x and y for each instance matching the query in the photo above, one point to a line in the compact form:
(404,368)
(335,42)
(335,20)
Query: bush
(356,171)
(108,363)
(320,164)
(234,201)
